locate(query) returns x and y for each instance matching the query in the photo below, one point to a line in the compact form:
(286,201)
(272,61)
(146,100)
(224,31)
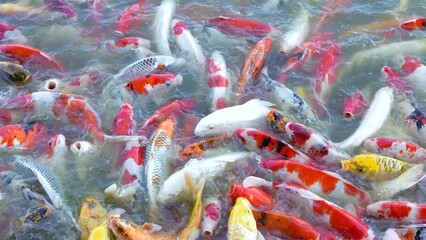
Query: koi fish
(4,27)
(414,24)
(415,73)
(210,216)
(294,61)
(153,83)
(10,33)
(173,108)
(394,148)
(354,105)
(15,74)
(253,62)
(413,119)
(198,149)
(285,225)
(411,232)
(157,159)
(241,223)
(161,26)
(393,80)
(257,198)
(144,66)
(37,214)
(402,212)
(373,120)
(55,157)
(175,188)
(101,232)
(126,42)
(130,18)
(29,55)
(78,85)
(91,214)
(124,121)
(241,27)
(326,184)
(257,140)
(61,6)
(287,100)
(375,167)
(322,150)
(296,35)
(21,137)
(227,120)
(84,153)
(329,214)
(218,81)
(187,43)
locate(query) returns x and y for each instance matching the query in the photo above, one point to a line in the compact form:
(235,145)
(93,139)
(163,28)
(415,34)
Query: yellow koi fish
(241,223)
(91,215)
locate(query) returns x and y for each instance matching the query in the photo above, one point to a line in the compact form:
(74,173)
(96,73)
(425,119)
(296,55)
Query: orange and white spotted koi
(22,137)
(218,81)
(198,149)
(187,43)
(402,212)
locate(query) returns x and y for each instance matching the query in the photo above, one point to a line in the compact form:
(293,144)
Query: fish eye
(361,169)
(50,143)
(91,204)
(168,83)
(210,127)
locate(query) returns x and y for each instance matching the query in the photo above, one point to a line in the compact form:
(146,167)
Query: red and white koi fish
(354,105)
(373,120)
(411,232)
(257,140)
(124,121)
(29,55)
(55,158)
(154,84)
(218,81)
(187,43)
(414,24)
(22,137)
(198,149)
(10,33)
(324,183)
(256,197)
(285,225)
(144,66)
(156,159)
(210,216)
(297,34)
(330,215)
(253,62)
(130,18)
(322,150)
(161,26)
(61,6)
(173,108)
(394,148)
(126,42)
(393,80)
(415,73)
(241,27)
(294,61)
(414,119)
(402,212)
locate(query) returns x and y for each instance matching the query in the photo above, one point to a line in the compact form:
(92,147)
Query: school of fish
(235,120)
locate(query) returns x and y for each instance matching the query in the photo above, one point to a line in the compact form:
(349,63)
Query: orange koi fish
(146,84)
(197,149)
(22,136)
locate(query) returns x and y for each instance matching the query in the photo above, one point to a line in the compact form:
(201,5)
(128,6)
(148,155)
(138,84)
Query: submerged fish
(15,74)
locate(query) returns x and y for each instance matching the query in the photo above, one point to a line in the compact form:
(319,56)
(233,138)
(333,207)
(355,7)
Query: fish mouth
(346,165)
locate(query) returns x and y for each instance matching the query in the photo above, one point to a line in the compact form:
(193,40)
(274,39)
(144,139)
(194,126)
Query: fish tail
(413,175)
(195,191)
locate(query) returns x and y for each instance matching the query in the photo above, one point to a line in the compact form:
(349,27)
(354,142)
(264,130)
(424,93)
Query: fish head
(409,65)
(242,216)
(414,24)
(277,121)
(207,126)
(80,148)
(121,227)
(178,27)
(57,145)
(129,19)
(354,105)
(37,214)
(52,85)
(376,210)
(189,152)
(362,164)
(91,209)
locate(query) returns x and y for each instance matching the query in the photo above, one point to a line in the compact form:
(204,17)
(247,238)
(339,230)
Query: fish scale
(145,66)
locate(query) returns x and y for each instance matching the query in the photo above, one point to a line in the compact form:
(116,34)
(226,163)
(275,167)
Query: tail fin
(252,181)
(409,178)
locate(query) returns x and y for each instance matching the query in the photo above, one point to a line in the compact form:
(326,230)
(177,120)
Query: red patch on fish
(127,178)
(221,103)
(300,134)
(383,143)
(410,65)
(179,28)
(414,24)
(395,210)
(212,211)
(218,81)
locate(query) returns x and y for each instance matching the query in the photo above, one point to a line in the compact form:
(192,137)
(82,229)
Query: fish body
(411,232)
(175,188)
(402,212)
(61,6)
(376,167)
(257,140)
(324,183)
(253,62)
(394,148)
(127,230)
(257,198)
(126,43)
(131,161)
(331,215)
(226,120)
(180,106)
(196,150)
(415,73)
(414,24)
(354,105)
(373,119)
(15,74)
(241,223)
(241,27)
(322,150)
(90,216)
(18,137)
(287,100)
(218,81)
(144,67)
(210,216)
(297,34)
(99,233)
(187,43)
(153,83)
(130,18)
(37,214)
(161,26)
(124,121)
(29,55)
(283,224)
(157,159)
